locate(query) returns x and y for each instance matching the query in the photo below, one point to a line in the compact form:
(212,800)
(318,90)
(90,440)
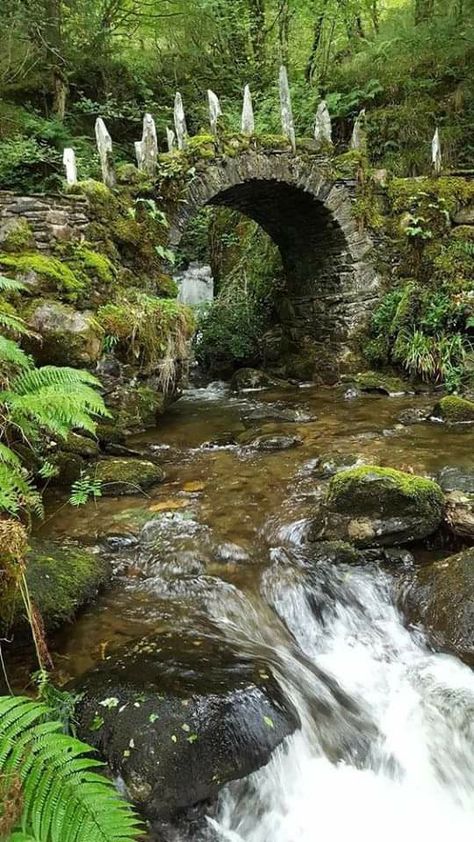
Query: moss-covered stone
(85,261)
(455,192)
(16,236)
(61,579)
(454,410)
(135,407)
(68,336)
(55,273)
(379,382)
(375,506)
(127,476)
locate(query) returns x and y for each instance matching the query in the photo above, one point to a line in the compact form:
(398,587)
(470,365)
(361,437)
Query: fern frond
(14,324)
(10,285)
(65,800)
(57,409)
(50,375)
(12,354)
(17,491)
(8,457)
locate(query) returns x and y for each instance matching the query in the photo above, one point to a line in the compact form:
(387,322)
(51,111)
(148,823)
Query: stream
(385,748)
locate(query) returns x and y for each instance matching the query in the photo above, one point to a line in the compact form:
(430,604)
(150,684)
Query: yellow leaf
(194,485)
(168,505)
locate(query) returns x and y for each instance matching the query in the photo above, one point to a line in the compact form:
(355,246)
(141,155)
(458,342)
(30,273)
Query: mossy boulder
(177,715)
(380,383)
(135,408)
(43,273)
(68,336)
(16,235)
(61,579)
(459,514)
(453,409)
(373,506)
(440,596)
(127,476)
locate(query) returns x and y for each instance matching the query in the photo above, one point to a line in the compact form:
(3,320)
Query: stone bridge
(331,281)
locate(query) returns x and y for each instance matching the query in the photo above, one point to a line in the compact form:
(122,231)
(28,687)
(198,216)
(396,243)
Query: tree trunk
(54,55)
(257,31)
(283,30)
(317,36)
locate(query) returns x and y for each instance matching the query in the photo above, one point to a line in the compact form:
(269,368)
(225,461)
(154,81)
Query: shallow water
(386,746)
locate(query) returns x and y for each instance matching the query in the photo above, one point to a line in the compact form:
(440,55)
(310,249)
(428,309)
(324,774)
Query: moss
(61,579)
(129,174)
(128,231)
(50,268)
(166,286)
(357,489)
(19,237)
(367,210)
(272,141)
(201,146)
(454,410)
(349,164)
(463,233)
(455,192)
(93,264)
(135,408)
(95,190)
(375,381)
(127,476)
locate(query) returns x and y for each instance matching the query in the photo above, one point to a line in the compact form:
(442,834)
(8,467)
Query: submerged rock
(457,479)
(262,413)
(440,596)
(328,465)
(127,476)
(454,410)
(414,415)
(374,506)
(270,441)
(178,715)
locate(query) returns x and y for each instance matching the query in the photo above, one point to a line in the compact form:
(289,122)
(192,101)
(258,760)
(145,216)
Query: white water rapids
(385,751)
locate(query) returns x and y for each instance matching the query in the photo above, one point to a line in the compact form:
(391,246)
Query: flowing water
(385,749)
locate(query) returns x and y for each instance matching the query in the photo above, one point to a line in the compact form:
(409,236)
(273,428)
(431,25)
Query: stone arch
(332,284)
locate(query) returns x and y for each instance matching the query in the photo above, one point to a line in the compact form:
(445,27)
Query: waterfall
(386,745)
(195,284)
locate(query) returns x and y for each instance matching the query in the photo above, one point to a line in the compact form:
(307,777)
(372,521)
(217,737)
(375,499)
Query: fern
(64,798)
(11,354)
(10,285)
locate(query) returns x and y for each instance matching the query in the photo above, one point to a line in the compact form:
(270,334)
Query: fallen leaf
(168,505)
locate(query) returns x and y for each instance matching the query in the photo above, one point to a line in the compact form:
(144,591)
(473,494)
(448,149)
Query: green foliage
(64,799)
(35,402)
(85,489)
(54,271)
(148,330)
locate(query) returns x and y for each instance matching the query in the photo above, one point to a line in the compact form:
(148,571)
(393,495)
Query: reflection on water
(386,744)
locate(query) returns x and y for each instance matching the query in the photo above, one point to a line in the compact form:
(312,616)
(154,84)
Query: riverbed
(227,545)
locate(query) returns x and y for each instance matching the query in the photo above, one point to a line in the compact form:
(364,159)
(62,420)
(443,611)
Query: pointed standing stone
(180,122)
(69,161)
(322,125)
(215,110)
(436,152)
(287,123)
(147,149)
(248,120)
(359,136)
(104,145)
(170,139)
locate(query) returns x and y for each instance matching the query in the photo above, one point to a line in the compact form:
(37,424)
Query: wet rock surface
(127,476)
(177,715)
(440,596)
(373,506)
(254,378)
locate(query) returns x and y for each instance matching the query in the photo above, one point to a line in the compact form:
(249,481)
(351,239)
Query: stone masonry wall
(51,218)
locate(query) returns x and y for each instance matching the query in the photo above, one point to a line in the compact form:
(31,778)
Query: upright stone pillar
(359,134)
(248,120)
(436,152)
(170,139)
(287,123)
(322,125)
(146,149)
(180,122)
(69,161)
(215,110)
(104,145)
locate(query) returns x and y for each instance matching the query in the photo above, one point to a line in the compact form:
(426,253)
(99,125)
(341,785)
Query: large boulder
(373,506)
(440,596)
(127,476)
(453,409)
(177,715)
(380,383)
(68,336)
